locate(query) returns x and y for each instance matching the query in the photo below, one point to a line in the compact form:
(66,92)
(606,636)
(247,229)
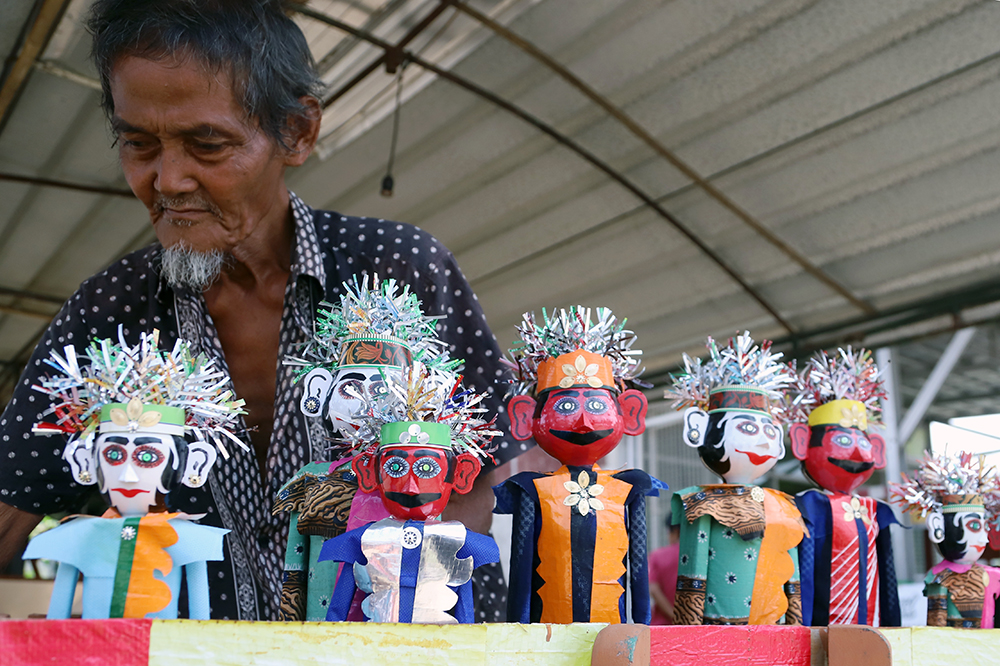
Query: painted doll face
(965,537)
(835,457)
(132,468)
(415,482)
(738,446)
(578,426)
(348,384)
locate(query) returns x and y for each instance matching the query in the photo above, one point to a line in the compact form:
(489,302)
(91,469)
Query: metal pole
(901,543)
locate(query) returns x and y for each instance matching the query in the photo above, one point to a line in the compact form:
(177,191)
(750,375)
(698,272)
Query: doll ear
(935,526)
(799,433)
(364,468)
(317,386)
(521,410)
(695,426)
(467,468)
(634,407)
(201,457)
(82,461)
(878,450)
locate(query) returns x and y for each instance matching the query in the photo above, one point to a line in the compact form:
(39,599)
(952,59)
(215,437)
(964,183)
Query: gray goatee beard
(182,266)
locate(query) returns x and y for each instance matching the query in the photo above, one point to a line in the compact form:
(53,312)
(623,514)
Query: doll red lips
(754,458)
(130,492)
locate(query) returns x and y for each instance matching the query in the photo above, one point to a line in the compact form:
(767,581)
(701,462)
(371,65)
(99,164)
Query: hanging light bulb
(387,181)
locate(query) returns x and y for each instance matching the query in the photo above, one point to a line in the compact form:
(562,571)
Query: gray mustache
(161,204)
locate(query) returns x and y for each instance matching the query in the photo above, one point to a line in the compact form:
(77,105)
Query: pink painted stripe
(78,642)
(761,645)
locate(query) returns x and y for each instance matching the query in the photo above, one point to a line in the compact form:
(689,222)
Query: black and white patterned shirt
(329,250)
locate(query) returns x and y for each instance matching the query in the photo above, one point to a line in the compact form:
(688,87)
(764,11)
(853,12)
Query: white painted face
(753,445)
(975,536)
(132,466)
(348,384)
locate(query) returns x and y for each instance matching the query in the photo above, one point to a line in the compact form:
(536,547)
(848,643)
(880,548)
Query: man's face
(348,385)
(579,426)
(839,459)
(966,538)
(415,482)
(206,173)
(753,445)
(132,467)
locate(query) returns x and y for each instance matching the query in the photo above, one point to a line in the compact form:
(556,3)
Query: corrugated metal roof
(864,135)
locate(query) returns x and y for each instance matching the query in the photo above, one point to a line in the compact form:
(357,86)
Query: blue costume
(413,571)
(846,539)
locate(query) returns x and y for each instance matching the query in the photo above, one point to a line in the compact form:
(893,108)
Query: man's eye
(208,147)
(396,467)
(748,428)
(595,406)
(426,468)
(566,406)
(114,454)
(147,456)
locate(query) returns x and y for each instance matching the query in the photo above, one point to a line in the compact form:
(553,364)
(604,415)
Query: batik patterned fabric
(846,560)
(961,596)
(413,571)
(738,563)
(318,500)
(601,515)
(132,567)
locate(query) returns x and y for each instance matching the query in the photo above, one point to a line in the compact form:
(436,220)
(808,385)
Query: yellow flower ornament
(583,495)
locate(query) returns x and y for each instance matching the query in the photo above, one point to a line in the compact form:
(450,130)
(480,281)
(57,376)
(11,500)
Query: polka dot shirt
(329,250)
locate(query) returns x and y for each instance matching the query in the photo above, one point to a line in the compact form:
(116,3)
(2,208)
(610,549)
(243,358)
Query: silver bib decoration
(383,545)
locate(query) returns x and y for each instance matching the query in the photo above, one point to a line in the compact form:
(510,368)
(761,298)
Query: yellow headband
(845,413)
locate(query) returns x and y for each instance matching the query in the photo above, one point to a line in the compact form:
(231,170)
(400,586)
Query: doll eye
(842,440)
(974,525)
(770,431)
(864,443)
(115,454)
(352,389)
(147,456)
(377,388)
(566,406)
(426,468)
(396,467)
(595,406)
(748,428)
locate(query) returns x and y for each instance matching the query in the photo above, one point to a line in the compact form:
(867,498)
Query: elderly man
(210,102)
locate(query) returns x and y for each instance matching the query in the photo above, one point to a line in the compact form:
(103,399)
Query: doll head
(415,470)
(959,529)
(831,403)
(571,383)
(733,411)
(338,395)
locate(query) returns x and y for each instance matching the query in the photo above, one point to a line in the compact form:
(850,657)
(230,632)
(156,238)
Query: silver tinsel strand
(847,375)
(941,475)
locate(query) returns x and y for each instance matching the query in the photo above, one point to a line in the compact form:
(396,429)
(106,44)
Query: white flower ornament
(583,495)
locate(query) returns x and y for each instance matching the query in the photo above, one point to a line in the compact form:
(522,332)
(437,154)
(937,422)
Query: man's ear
(467,468)
(82,462)
(364,468)
(799,434)
(634,407)
(302,130)
(316,387)
(521,410)
(878,450)
(200,458)
(935,526)
(695,426)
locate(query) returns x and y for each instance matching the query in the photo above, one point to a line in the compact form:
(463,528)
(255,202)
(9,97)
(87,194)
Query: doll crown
(841,389)
(742,376)
(446,414)
(373,324)
(551,350)
(950,484)
(115,387)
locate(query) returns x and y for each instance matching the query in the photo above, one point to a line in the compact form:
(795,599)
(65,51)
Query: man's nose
(128,474)
(173,175)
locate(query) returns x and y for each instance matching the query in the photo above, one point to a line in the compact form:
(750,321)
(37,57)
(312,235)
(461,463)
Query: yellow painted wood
(899,640)
(540,644)
(936,646)
(182,642)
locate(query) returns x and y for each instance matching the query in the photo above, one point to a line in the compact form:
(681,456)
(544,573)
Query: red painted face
(837,458)
(414,481)
(579,426)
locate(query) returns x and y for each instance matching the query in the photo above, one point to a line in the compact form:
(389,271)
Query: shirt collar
(951,566)
(307,257)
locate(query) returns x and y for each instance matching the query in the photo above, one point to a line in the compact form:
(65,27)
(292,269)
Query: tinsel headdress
(843,389)
(742,376)
(109,373)
(944,482)
(420,393)
(544,352)
(374,323)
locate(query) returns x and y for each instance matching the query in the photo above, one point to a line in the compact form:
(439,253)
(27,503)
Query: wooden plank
(84,642)
(539,644)
(760,645)
(941,646)
(852,645)
(38,37)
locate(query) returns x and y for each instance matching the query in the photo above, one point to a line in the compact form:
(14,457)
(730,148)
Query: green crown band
(415,433)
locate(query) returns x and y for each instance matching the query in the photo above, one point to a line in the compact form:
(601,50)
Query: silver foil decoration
(439,568)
